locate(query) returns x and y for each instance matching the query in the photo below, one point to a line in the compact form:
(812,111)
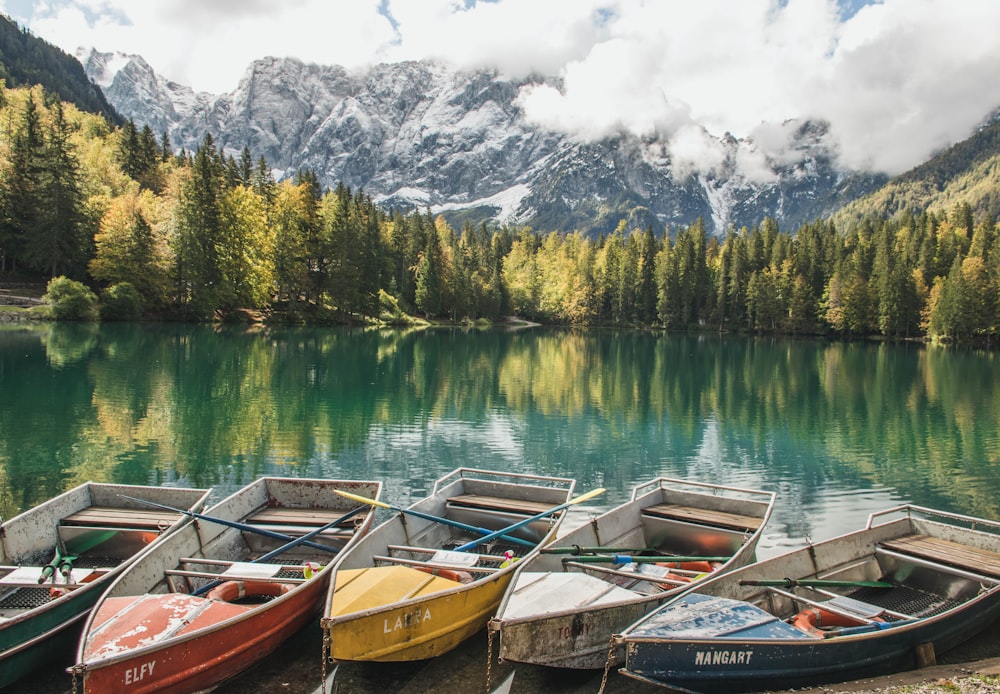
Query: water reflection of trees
(206,406)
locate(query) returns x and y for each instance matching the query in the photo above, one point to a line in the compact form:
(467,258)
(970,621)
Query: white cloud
(897,80)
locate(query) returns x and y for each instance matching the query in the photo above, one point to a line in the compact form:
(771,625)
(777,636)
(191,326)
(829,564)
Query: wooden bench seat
(981,561)
(314,517)
(692,514)
(496,503)
(101,516)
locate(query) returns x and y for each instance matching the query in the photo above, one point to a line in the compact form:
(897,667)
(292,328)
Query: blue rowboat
(911,585)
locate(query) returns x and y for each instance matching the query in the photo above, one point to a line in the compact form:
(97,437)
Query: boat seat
(108,517)
(433,565)
(305,517)
(692,514)
(495,503)
(949,553)
(30,575)
(233,576)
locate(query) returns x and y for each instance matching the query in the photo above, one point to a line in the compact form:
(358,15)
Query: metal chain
(73,687)
(326,647)
(607,666)
(489,657)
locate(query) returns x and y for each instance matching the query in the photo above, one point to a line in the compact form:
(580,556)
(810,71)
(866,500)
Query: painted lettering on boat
(722,657)
(138,673)
(404,621)
(577,629)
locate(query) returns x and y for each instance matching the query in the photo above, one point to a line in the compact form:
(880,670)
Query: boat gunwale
(655,488)
(101,581)
(320,578)
(945,626)
(902,628)
(437,500)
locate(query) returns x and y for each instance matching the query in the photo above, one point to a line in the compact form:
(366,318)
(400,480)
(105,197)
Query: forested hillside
(967,173)
(26,60)
(199,235)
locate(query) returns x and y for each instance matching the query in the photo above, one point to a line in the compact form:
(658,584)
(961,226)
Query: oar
(49,570)
(304,540)
(233,524)
(431,517)
(63,560)
(527,521)
(812,583)
(577,550)
(627,559)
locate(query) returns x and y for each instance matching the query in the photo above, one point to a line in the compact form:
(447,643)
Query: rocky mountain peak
(417,134)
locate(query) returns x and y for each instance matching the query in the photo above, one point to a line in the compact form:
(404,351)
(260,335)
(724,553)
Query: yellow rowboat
(433,575)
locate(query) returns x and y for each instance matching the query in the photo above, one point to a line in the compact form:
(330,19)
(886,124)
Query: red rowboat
(225,591)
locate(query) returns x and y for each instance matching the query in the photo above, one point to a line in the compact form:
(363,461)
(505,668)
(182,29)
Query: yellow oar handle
(362,499)
(586,497)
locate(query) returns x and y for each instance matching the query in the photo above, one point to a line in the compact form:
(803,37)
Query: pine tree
(428,291)
(23,214)
(62,243)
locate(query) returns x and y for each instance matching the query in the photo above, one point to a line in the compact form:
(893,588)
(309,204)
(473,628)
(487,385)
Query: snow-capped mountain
(417,134)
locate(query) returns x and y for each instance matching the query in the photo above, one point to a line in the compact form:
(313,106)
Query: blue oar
(520,524)
(431,517)
(304,540)
(233,524)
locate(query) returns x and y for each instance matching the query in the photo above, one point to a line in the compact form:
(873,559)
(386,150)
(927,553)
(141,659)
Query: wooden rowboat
(224,591)
(412,590)
(912,584)
(57,558)
(567,601)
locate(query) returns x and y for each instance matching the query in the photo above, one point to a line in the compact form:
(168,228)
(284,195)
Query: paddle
(233,524)
(812,583)
(538,516)
(577,550)
(628,559)
(431,517)
(304,540)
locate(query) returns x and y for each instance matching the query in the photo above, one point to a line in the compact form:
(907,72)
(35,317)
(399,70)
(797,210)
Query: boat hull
(390,602)
(207,657)
(47,633)
(418,629)
(718,666)
(217,598)
(886,598)
(559,617)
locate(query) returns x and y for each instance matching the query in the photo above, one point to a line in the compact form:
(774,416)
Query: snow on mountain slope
(417,134)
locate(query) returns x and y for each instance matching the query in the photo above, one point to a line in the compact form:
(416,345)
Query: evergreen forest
(205,235)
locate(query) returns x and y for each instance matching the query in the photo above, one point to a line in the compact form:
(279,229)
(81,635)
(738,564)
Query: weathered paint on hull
(210,656)
(417,629)
(732,665)
(568,622)
(579,641)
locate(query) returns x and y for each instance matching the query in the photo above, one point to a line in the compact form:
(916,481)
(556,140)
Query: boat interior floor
(905,600)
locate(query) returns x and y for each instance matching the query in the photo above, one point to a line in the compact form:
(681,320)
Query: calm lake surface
(838,430)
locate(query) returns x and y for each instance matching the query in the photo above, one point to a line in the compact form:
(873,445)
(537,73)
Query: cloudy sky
(896,79)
